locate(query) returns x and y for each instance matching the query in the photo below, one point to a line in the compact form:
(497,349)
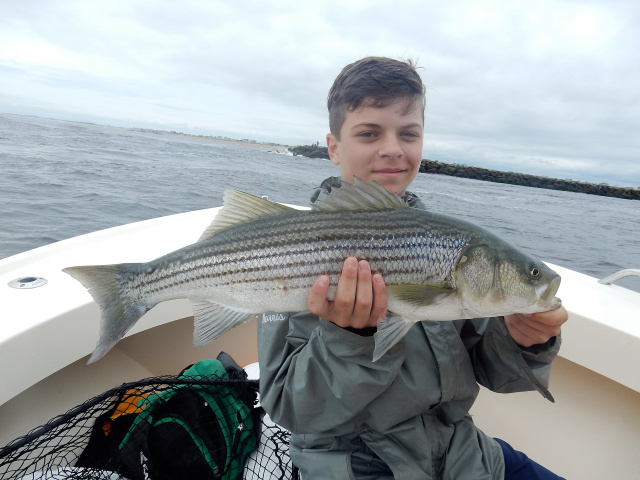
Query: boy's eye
(411,134)
(366,134)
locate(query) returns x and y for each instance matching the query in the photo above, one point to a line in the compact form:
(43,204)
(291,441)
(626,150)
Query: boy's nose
(390,147)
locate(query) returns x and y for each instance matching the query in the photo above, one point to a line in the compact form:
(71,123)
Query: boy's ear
(332,147)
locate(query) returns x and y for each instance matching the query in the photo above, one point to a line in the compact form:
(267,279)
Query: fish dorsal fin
(359,196)
(240,207)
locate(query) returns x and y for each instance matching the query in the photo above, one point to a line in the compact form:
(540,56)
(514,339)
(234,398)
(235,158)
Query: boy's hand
(535,328)
(360,301)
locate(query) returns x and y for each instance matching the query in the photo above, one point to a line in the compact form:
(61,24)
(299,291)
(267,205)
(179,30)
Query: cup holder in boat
(27,282)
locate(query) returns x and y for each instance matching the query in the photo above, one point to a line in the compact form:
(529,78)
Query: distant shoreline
(497,176)
(210,138)
(442,168)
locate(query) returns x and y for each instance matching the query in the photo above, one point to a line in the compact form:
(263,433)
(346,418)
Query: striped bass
(258,256)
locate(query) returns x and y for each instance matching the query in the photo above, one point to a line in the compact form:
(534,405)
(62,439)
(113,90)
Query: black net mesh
(86,442)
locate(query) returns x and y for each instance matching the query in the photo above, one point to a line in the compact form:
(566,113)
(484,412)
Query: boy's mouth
(389,172)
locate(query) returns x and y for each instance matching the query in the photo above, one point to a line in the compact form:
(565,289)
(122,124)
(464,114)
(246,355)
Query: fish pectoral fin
(240,207)
(390,331)
(212,320)
(420,295)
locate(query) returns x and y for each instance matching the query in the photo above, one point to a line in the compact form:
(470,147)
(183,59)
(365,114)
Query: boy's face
(379,144)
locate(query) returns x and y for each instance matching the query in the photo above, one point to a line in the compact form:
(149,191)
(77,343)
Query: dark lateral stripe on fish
(392,243)
(230,273)
(239,272)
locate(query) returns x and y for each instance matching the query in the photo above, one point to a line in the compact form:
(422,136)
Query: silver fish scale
(291,251)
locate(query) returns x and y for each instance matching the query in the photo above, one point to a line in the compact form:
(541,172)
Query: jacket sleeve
(503,366)
(316,375)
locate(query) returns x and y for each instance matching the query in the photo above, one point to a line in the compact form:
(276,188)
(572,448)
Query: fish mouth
(547,293)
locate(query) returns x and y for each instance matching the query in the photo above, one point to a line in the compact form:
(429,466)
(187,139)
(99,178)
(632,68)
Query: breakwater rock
(488,175)
(311,151)
(512,178)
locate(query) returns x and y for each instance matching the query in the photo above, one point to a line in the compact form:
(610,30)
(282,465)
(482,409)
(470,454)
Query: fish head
(496,278)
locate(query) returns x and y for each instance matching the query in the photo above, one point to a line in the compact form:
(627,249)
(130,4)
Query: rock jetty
(485,174)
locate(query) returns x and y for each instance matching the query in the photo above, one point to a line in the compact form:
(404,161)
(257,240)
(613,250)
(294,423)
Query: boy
(406,415)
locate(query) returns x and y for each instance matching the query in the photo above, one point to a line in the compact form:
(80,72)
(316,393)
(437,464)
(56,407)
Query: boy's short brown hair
(374,82)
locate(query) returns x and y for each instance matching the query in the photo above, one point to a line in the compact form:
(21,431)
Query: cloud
(550,86)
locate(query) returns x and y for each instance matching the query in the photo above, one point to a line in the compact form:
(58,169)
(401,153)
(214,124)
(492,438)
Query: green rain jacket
(409,409)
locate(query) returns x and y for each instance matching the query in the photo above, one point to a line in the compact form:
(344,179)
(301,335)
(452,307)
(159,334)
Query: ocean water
(61,179)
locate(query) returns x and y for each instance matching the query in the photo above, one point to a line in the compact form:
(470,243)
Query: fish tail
(119,312)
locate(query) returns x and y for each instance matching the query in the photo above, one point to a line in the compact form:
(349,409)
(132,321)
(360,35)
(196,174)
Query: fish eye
(534,272)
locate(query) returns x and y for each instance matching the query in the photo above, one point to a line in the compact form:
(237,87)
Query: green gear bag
(203,431)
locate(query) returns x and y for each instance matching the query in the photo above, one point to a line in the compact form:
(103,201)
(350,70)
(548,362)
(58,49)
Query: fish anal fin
(360,196)
(390,331)
(240,207)
(211,320)
(420,295)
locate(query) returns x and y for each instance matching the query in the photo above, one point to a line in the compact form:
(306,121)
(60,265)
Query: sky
(546,87)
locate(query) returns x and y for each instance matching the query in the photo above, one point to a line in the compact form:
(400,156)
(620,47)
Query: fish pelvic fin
(211,320)
(357,197)
(118,311)
(390,331)
(240,207)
